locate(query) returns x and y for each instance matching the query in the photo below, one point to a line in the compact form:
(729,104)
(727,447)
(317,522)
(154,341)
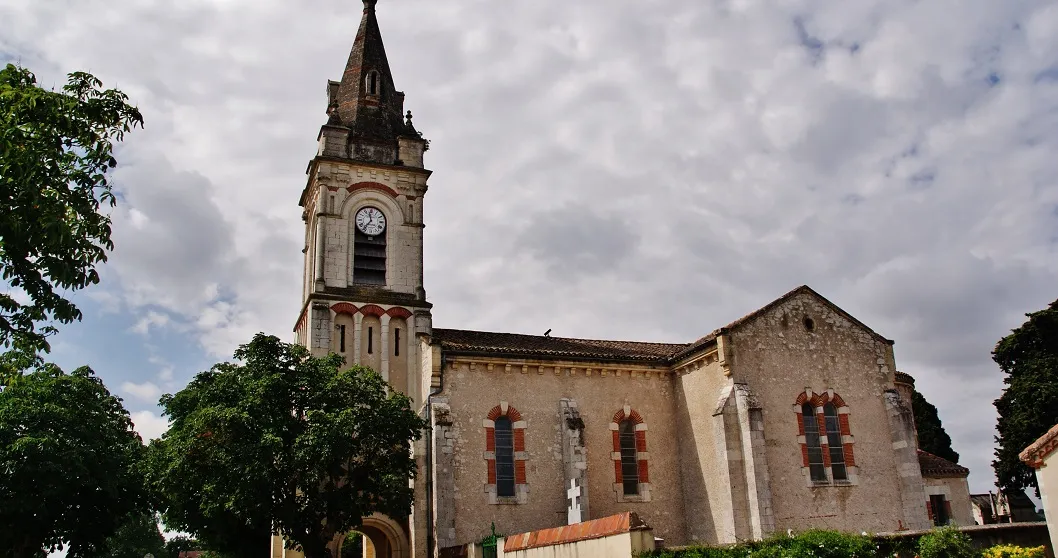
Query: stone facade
(1042,456)
(793,417)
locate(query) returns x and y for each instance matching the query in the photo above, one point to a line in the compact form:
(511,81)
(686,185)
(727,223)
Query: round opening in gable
(810,324)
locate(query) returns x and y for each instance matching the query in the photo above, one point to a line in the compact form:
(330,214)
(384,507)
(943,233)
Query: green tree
(1028,407)
(56,148)
(69,464)
(931,434)
(180,543)
(136,537)
(283,439)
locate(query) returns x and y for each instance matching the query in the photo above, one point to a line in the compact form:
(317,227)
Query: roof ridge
(565,338)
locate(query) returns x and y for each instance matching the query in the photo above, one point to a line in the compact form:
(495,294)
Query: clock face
(370,221)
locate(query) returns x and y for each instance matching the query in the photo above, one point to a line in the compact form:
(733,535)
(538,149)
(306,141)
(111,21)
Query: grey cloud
(554,124)
(575,240)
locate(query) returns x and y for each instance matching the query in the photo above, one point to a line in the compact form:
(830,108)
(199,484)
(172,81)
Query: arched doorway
(382,538)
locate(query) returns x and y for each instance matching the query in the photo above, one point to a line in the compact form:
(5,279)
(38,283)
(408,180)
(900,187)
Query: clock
(370,221)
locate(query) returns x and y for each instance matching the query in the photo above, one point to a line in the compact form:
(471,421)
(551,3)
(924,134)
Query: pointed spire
(367,101)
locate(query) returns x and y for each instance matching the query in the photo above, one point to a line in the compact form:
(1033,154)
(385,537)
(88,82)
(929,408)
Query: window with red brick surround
(831,441)
(630,457)
(505,455)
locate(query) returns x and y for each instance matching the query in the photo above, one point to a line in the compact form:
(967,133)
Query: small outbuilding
(1041,455)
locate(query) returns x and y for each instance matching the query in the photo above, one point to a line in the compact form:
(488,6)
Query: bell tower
(363,294)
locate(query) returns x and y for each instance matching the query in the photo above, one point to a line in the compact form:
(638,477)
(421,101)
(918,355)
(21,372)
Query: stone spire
(366,100)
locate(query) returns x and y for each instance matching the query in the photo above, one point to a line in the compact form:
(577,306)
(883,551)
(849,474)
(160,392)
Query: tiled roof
(594,529)
(1041,448)
(513,344)
(934,466)
(506,344)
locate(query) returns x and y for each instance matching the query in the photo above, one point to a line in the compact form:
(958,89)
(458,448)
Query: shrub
(810,544)
(946,542)
(1013,551)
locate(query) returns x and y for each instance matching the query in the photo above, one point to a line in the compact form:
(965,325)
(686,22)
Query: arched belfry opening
(372,82)
(378,537)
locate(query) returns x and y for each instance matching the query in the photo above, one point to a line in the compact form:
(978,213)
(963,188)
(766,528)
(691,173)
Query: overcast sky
(604,168)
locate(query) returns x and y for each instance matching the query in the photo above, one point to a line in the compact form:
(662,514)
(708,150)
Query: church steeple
(365,101)
(363,294)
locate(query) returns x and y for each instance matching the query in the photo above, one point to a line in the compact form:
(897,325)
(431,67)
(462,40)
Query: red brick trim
(518,432)
(372,310)
(372,186)
(302,318)
(398,312)
(633,415)
(641,445)
(818,401)
(344,308)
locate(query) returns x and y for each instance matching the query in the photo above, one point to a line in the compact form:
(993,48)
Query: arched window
(815,451)
(629,462)
(630,456)
(372,80)
(504,457)
(826,439)
(834,445)
(369,250)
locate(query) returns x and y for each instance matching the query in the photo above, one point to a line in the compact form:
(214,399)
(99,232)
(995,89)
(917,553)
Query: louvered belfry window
(369,259)
(815,451)
(504,457)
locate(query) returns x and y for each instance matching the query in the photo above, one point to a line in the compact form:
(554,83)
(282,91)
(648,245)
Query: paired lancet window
(825,438)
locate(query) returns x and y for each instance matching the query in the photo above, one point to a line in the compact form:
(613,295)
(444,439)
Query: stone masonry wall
(957,491)
(804,344)
(536,389)
(703,455)
(344,188)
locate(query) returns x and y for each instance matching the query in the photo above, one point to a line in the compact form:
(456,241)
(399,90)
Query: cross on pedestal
(573,512)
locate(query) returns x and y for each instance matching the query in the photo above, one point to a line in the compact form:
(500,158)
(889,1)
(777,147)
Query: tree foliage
(1028,407)
(931,434)
(69,461)
(283,439)
(56,148)
(180,543)
(135,538)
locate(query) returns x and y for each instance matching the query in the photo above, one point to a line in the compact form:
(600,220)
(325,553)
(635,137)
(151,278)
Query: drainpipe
(430,542)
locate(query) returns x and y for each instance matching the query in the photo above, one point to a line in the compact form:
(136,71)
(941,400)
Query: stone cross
(573,511)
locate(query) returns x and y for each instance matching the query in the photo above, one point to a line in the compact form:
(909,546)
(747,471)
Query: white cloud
(149,425)
(146,391)
(150,319)
(697,158)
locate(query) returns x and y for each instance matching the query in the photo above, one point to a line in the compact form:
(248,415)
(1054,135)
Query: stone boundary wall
(1028,534)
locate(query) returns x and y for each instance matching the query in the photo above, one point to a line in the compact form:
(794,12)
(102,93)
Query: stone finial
(408,117)
(370,4)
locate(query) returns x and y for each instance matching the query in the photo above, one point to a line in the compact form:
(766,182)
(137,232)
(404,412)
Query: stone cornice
(567,368)
(315,161)
(387,305)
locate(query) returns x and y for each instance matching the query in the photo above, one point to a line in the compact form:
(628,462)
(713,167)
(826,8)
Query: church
(792,417)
